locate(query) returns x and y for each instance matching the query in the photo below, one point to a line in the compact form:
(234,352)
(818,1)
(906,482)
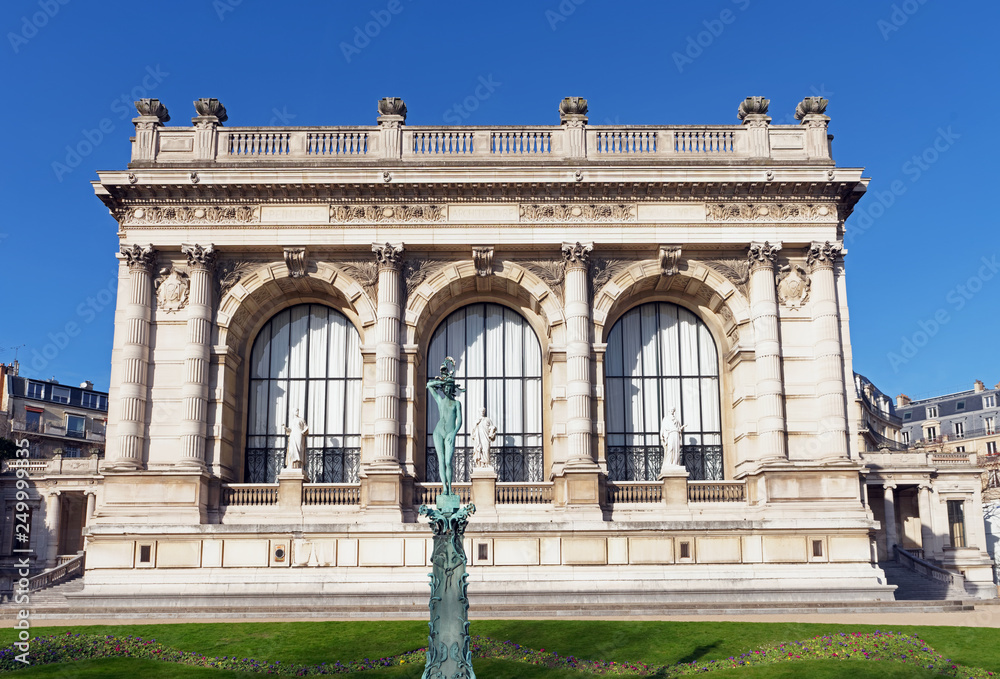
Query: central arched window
(661,356)
(498,361)
(306,358)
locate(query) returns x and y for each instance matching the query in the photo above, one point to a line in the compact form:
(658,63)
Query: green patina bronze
(449,655)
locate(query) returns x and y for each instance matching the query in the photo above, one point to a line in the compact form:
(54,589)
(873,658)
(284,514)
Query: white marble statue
(484,432)
(296,442)
(670,439)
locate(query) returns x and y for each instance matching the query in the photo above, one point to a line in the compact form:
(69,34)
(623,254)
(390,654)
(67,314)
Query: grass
(647,642)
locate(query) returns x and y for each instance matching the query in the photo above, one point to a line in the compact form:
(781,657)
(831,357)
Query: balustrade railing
(426,493)
(336,143)
(952,458)
(916,564)
(259,143)
(523,493)
(520,143)
(624,141)
(634,491)
(249,494)
(705,141)
(717,491)
(443,143)
(61,573)
(331,494)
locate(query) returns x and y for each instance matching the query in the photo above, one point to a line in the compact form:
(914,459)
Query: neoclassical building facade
(587,281)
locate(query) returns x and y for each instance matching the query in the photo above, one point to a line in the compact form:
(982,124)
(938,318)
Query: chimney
(87,385)
(902,400)
(979,386)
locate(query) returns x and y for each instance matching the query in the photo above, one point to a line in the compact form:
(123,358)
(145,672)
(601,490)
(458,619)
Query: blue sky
(912,88)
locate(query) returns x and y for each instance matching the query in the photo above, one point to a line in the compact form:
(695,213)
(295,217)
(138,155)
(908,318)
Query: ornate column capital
(670,256)
(388,256)
(139,258)
(577,254)
(763,254)
(824,254)
(199,256)
(889,485)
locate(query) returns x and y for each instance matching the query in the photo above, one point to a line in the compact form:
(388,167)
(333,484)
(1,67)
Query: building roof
(19,389)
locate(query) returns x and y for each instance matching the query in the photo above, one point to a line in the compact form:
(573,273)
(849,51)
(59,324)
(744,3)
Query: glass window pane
(279,345)
(299,339)
(319,330)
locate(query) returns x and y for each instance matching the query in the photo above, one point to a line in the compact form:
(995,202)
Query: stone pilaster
(767,349)
(752,113)
(387,351)
(211,114)
(810,112)
(391,119)
(829,358)
(201,264)
(573,118)
(579,426)
(135,360)
(152,116)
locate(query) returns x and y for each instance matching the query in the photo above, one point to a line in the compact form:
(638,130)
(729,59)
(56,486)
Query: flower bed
(876,646)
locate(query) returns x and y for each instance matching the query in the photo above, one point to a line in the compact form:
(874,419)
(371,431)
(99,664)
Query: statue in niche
(296,441)
(670,439)
(484,432)
(444,390)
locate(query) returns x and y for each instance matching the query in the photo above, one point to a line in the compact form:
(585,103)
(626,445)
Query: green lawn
(647,642)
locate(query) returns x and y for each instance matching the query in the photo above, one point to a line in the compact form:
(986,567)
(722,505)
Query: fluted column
(387,351)
(135,360)
(829,357)
(579,426)
(201,262)
(890,520)
(53,524)
(767,350)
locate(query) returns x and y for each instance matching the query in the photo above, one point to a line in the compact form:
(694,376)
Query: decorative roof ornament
(811,106)
(392,106)
(211,108)
(752,108)
(573,111)
(152,108)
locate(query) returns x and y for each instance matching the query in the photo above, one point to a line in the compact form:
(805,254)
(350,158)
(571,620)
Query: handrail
(58,575)
(914,563)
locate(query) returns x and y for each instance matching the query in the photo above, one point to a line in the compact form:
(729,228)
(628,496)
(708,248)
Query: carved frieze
(770,212)
(670,256)
(793,286)
(172,290)
(375,214)
(603,212)
(295,260)
(183,214)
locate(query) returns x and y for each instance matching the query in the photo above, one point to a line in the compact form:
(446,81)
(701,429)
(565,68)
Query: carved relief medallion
(172,289)
(793,286)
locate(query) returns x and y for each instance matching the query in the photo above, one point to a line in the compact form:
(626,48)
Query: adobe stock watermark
(20,549)
(562,12)
(282,117)
(465,108)
(87,312)
(899,15)
(92,138)
(702,40)
(914,168)
(30,25)
(957,298)
(363,36)
(224,7)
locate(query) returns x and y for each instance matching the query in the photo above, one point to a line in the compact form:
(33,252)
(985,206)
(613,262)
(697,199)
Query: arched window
(306,358)
(661,356)
(499,363)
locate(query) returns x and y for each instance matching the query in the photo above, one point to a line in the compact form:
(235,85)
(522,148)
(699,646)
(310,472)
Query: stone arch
(458,283)
(698,287)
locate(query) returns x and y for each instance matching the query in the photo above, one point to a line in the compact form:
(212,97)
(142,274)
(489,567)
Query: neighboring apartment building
(65,430)
(964,422)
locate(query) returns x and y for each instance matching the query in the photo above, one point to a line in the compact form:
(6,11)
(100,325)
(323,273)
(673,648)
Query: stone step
(911,586)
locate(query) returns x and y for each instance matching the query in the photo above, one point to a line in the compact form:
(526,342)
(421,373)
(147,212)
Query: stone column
(579,426)
(53,522)
(201,263)
(926,527)
(91,505)
(387,350)
(890,521)
(135,360)
(829,358)
(767,350)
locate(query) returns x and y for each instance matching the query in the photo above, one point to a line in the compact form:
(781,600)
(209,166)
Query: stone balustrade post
(573,118)
(201,264)
(767,349)
(387,352)
(135,360)
(391,119)
(829,368)
(753,114)
(152,116)
(211,114)
(579,425)
(810,112)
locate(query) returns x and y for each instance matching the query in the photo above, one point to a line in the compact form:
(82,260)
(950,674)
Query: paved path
(983,616)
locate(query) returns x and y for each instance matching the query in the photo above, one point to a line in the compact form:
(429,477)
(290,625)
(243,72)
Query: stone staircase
(913,586)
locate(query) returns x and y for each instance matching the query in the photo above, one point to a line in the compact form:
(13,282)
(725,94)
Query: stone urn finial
(753,106)
(211,108)
(811,106)
(573,110)
(152,108)
(392,106)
